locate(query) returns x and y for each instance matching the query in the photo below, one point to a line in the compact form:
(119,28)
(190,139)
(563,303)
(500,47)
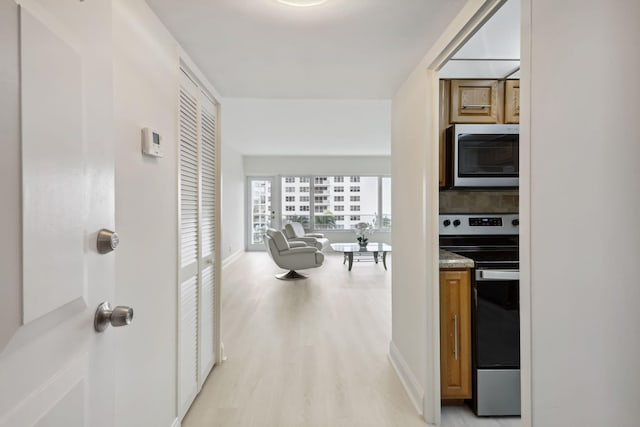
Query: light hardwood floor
(305,353)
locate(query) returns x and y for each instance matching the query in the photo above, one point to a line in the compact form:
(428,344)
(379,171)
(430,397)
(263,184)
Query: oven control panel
(478,224)
(485,221)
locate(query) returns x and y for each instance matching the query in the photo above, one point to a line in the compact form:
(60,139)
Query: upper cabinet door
(512,101)
(474,101)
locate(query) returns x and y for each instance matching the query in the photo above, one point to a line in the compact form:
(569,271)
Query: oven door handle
(486,275)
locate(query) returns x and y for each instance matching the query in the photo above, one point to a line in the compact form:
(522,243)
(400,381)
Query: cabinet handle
(476,106)
(455,336)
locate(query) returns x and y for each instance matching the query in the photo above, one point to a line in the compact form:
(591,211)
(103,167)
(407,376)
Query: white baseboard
(176,423)
(232,258)
(407,378)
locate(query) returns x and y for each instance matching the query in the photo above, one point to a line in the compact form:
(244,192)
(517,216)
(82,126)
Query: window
(320,203)
(385,203)
(293,200)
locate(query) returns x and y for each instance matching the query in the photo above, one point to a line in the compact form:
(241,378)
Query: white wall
(146,72)
(412,202)
(307,127)
(10,161)
(584,205)
(232,201)
(317,165)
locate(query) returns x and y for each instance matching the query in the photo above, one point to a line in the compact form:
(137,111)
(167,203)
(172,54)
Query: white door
(190,242)
(198,229)
(55,369)
(261,212)
(207,258)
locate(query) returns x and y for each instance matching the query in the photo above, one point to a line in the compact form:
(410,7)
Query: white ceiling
(491,52)
(343,49)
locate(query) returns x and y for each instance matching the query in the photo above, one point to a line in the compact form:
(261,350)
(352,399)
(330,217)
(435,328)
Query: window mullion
(379,219)
(312,202)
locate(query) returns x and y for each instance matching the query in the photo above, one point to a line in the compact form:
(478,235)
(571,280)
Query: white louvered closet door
(206,348)
(189,187)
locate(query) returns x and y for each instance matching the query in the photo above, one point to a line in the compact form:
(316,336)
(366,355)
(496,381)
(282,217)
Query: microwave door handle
(485,275)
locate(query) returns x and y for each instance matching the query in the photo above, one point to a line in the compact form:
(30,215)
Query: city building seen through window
(314,200)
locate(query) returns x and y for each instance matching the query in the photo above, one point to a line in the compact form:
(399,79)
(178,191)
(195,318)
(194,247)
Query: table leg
(384,259)
(344,258)
(375,257)
(350,254)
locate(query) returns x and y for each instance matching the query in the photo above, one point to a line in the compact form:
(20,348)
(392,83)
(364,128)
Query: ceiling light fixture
(302,3)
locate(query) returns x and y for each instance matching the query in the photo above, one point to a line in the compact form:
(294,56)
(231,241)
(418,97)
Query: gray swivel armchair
(294,231)
(291,256)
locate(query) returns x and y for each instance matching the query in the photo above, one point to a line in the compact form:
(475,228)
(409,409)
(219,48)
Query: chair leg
(290,275)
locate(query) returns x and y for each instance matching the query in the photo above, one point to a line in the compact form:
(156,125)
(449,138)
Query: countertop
(449,260)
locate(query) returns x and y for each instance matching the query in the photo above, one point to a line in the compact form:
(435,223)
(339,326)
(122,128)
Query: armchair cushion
(318,235)
(278,239)
(293,230)
(304,250)
(295,244)
(295,233)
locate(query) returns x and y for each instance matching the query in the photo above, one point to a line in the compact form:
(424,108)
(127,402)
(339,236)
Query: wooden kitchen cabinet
(512,101)
(455,334)
(475,101)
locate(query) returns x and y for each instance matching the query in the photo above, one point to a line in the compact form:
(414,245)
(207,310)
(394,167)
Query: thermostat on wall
(151,142)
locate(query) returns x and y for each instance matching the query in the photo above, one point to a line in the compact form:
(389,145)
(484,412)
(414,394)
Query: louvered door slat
(208,158)
(188,177)
(207,322)
(188,340)
(188,228)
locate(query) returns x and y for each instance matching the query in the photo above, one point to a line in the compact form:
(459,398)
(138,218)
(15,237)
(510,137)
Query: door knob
(105,316)
(107,241)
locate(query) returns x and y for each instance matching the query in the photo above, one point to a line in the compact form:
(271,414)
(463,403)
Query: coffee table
(348,249)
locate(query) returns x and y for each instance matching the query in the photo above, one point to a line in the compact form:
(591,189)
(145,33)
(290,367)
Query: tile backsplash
(454,201)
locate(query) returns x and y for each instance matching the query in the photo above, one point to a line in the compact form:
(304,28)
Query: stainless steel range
(491,240)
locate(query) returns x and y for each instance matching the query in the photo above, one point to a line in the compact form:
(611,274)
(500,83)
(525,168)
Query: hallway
(310,353)
(305,353)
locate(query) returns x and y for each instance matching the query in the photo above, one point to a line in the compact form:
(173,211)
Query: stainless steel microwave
(484,155)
